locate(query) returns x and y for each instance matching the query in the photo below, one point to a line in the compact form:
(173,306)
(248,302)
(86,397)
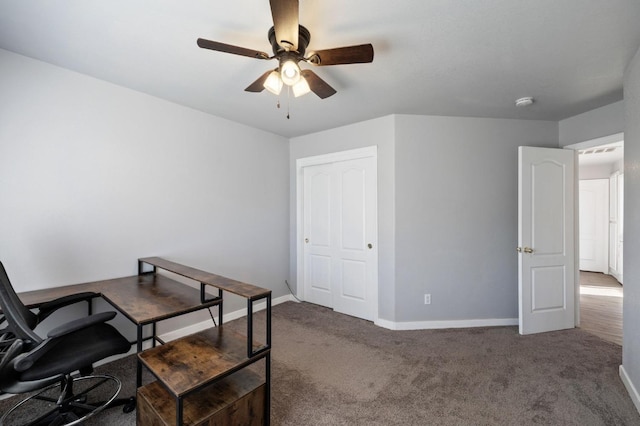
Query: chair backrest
(20,319)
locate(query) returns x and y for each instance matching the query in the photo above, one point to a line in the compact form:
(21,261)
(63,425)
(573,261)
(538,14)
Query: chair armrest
(80,323)
(47,308)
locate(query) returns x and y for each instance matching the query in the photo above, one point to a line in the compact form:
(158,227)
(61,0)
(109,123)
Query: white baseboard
(429,325)
(391,325)
(194,328)
(633,392)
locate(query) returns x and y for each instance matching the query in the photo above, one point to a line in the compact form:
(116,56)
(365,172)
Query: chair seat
(75,351)
(78,350)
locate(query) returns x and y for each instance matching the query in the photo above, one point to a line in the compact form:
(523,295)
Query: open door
(546,239)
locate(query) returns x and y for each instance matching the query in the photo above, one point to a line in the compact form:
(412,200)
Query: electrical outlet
(427,299)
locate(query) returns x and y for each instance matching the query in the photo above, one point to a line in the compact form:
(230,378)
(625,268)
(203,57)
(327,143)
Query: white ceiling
(436,57)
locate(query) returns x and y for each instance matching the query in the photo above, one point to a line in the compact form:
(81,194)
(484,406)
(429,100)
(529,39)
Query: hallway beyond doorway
(601,298)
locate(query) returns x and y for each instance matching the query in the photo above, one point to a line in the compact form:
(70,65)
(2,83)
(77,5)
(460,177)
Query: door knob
(306,240)
(370,245)
(526,249)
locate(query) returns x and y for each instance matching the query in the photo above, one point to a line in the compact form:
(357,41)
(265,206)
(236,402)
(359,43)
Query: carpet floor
(332,369)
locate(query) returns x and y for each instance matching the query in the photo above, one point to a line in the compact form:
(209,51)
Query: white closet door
(340,229)
(318,251)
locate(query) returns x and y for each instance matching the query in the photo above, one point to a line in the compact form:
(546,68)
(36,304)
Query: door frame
(301,163)
(604,140)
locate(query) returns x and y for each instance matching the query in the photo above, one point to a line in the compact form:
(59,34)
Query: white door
(354,234)
(340,248)
(594,221)
(546,259)
(318,205)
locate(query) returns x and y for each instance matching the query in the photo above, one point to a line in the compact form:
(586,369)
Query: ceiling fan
(289,42)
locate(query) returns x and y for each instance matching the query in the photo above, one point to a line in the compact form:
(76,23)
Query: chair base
(71,402)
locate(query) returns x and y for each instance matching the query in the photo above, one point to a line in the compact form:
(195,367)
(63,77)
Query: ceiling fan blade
(258,85)
(360,54)
(227,48)
(285,21)
(318,85)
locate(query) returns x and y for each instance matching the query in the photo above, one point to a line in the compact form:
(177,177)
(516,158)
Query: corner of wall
(630,368)
(628,384)
(594,124)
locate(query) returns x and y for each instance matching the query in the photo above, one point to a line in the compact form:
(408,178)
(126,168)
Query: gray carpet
(331,369)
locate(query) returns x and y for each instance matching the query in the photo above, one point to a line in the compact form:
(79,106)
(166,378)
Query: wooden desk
(143,299)
(150,297)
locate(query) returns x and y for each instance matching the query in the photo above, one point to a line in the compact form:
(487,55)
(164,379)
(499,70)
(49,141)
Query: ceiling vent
(598,150)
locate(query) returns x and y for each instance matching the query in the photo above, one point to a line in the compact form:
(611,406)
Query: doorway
(601,177)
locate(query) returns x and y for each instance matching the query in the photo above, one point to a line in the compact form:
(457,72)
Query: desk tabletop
(239,288)
(152,297)
(141,298)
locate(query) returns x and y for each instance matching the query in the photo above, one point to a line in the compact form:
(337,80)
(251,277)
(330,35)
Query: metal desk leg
(179,409)
(138,362)
(267,394)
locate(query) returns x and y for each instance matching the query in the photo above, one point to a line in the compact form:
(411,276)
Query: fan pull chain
(288,103)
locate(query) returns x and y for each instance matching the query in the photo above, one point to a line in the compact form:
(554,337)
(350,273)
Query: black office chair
(45,366)
(43,311)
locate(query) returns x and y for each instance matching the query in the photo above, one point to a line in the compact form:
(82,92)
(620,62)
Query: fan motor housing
(304,37)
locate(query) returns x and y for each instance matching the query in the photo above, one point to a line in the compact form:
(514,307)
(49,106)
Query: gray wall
(456,215)
(93,176)
(447,197)
(600,122)
(631,316)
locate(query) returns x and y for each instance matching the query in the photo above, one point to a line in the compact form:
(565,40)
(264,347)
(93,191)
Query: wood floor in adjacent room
(601,306)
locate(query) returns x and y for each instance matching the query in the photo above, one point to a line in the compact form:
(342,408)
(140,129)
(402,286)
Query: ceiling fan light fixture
(273,83)
(290,72)
(301,87)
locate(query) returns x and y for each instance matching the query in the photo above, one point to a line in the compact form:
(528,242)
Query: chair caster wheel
(129,406)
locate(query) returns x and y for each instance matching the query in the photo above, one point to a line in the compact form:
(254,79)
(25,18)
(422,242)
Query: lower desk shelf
(207,374)
(235,400)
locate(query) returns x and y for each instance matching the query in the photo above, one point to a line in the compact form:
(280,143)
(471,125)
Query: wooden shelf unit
(208,365)
(235,400)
